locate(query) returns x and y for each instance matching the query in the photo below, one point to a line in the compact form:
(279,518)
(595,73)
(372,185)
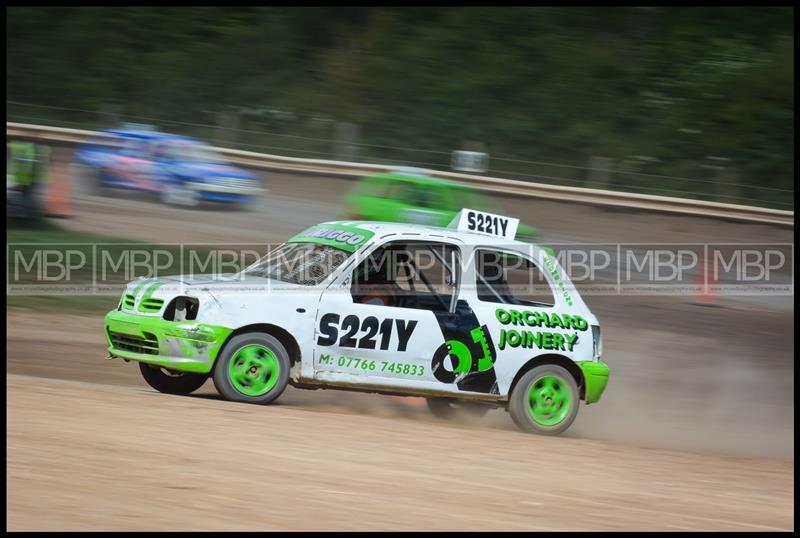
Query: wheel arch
(283,336)
(559,360)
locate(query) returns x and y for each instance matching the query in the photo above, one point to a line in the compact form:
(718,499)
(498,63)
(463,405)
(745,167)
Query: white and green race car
(465,316)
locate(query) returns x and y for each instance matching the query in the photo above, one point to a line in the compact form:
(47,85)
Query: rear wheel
(250,204)
(449,409)
(253,368)
(545,400)
(170,381)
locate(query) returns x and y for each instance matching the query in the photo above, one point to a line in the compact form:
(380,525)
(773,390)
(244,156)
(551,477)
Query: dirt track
(87,456)
(110,453)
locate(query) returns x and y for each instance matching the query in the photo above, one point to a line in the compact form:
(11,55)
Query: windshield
(306,264)
(103,142)
(200,153)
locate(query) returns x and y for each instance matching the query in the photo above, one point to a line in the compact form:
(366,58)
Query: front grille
(128,342)
(234,183)
(128,301)
(151,305)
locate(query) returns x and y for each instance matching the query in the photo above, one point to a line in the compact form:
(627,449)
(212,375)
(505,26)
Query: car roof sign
(472,220)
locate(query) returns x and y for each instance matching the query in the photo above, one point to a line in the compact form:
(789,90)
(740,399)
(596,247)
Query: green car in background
(415,198)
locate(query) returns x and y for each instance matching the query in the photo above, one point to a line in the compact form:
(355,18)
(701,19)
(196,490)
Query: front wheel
(545,400)
(253,368)
(169,381)
(179,194)
(448,409)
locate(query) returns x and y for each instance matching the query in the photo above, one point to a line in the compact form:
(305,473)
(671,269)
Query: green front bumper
(595,377)
(185,346)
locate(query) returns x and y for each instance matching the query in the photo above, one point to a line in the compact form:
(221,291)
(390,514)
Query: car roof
(153,135)
(418,179)
(420,231)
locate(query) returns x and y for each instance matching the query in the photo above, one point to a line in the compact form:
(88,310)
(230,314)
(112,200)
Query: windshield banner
(347,238)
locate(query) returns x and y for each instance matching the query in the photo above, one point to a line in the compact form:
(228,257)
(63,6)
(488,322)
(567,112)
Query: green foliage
(555,84)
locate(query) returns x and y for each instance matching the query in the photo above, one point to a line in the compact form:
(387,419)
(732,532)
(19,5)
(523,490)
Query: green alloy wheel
(254,370)
(169,381)
(545,400)
(253,367)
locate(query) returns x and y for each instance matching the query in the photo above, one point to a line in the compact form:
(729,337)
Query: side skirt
(311,384)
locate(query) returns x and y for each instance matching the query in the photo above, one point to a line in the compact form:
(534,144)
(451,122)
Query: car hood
(211,288)
(225,300)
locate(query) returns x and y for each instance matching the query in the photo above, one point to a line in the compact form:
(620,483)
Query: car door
(378,324)
(166,168)
(515,299)
(133,167)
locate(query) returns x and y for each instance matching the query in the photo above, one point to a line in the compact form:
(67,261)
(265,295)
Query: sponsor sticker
(347,238)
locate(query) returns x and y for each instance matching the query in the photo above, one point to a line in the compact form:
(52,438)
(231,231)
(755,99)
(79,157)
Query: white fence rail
(490,184)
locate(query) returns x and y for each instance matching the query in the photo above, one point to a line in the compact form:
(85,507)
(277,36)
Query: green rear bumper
(186,346)
(595,376)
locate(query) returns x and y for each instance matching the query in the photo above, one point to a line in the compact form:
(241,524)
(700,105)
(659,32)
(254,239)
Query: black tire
(171,382)
(243,207)
(565,384)
(251,204)
(224,383)
(177,194)
(449,409)
(92,178)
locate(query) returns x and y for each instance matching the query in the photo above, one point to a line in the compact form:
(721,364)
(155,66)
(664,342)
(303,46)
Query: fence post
(727,182)
(599,176)
(227,131)
(728,186)
(344,142)
(109,116)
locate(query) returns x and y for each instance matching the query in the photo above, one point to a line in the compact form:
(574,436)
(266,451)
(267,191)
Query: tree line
(670,94)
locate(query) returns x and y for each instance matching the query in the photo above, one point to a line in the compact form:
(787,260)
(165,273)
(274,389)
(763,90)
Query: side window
(164,152)
(371,187)
(135,147)
(402,192)
(180,152)
(437,197)
(407,192)
(131,148)
(415,274)
(504,277)
(418,196)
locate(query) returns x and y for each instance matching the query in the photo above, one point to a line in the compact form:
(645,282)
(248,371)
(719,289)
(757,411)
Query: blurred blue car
(182,170)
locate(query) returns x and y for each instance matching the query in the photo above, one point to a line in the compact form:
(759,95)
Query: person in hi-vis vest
(30,166)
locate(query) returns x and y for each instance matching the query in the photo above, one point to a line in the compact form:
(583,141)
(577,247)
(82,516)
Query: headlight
(182,309)
(597,343)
